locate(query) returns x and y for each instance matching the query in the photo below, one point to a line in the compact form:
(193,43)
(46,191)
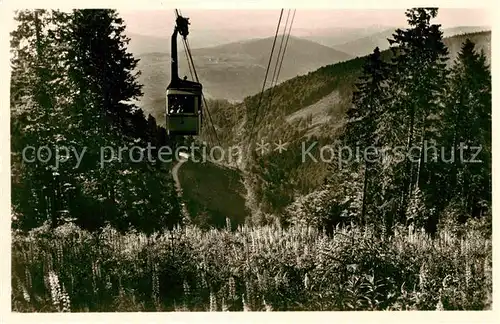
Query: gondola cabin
(183,97)
(184,108)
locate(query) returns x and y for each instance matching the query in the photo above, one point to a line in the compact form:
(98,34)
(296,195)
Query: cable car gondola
(184,97)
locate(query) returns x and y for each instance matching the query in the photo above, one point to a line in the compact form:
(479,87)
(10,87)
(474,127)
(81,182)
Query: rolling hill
(326,92)
(231,71)
(202,38)
(333,37)
(481,39)
(198,38)
(141,44)
(365,45)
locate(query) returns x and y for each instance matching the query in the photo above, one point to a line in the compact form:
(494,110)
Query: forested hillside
(286,113)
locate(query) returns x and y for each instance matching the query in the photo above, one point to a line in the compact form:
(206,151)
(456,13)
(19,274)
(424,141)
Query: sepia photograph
(250,160)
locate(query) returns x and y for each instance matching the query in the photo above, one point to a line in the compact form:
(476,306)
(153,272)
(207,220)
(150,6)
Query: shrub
(253,268)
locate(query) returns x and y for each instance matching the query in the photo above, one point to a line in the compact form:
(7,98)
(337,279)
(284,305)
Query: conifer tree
(104,74)
(417,85)
(38,98)
(363,119)
(467,123)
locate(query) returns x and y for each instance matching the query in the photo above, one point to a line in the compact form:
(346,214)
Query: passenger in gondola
(176,108)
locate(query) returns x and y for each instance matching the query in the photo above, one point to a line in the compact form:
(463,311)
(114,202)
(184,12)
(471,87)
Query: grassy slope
(212,193)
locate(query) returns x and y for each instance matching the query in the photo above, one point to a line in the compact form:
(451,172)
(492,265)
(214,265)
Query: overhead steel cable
(287,37)
(190,60)
(283,56)
(274,80)
(178,12)
(203,96)
(265,77)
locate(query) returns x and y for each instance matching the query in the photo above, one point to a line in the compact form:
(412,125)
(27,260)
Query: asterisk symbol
(262,147)
(280,146)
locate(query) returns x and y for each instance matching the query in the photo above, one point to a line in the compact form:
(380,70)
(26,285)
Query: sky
(153,22)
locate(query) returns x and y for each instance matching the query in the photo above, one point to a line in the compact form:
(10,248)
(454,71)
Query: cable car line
(184,98)
(267,72)
(282,58)
(287,37)
(191,62)
(179,13)
(202,95)
(187,59)
(274,78)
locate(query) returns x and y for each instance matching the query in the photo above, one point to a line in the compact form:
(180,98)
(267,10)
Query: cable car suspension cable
(203,96)
(287,37)
(282,57)
(190,60)
(178,12)
(274,78)
(267,72)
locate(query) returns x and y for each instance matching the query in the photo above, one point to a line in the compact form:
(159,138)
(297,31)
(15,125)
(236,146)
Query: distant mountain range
(236,70)
(201,38)
(333,37)
(365,45)
(232,71)
(141,44)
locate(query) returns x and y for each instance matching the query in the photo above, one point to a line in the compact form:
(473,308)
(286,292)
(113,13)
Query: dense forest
(421,120)
(399,229)
(72,79)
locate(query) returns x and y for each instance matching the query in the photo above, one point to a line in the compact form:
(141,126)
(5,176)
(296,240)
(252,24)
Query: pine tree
(418,85)
(467,122)
(93,71)
(38,98)
(99,50)
(103,73)
(363,119)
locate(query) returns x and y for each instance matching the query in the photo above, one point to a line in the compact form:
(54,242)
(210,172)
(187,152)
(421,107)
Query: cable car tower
(184,97)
